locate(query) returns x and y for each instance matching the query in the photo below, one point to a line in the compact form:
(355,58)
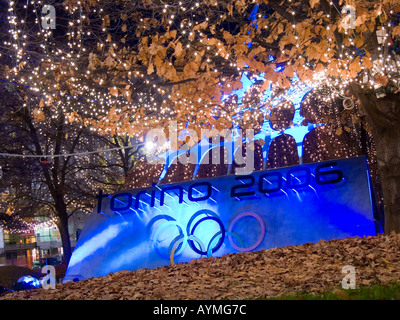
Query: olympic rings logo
(186,235)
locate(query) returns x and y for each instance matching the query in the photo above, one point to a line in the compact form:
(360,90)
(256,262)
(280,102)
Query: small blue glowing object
(27,283)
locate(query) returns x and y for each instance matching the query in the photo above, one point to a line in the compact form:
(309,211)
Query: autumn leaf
(158,61)
(359,41)
(355,67)
(71,117)
(314,52)
(200,26)
(190,69)
(241,63)
(256,51)
(113,91)
(381,79)
(265,85)
(227,36)
(256,65)
(396,31)
(319,68)
(94,61)
(236,84)
(367,63)
(110,62)
(284,83)
(178,50)
(313,3)
(150,68)
(285,40)
(281,28)
(170,72)
(171,34)
(230,9)
(106,21)
(38,115)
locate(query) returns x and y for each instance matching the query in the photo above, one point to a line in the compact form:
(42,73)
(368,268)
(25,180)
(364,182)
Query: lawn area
(374,292)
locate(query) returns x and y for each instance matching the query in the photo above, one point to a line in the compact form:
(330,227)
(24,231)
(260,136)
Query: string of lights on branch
(29,227)
(48,156)
(148,110)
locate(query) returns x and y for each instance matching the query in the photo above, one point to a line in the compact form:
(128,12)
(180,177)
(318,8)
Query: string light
(69,154)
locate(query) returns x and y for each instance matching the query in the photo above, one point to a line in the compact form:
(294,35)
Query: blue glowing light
(298,130)
(27,283)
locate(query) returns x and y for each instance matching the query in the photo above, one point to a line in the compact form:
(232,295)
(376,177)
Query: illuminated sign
(125,201)
(161,225)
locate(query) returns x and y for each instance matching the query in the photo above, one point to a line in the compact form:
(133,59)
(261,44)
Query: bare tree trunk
(387,144)
(383,115)
(63,228)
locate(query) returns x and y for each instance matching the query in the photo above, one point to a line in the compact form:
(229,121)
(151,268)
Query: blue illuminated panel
(152,227)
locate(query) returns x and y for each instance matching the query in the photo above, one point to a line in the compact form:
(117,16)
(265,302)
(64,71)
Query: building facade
(44,241)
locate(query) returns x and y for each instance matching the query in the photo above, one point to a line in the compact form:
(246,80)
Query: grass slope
(389,291)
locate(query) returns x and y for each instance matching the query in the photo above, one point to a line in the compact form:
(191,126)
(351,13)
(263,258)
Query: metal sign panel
(162,225)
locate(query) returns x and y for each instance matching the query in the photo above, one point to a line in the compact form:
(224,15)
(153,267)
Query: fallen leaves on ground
(309,267)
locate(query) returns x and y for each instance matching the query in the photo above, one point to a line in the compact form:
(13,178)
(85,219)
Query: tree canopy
(126,66)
